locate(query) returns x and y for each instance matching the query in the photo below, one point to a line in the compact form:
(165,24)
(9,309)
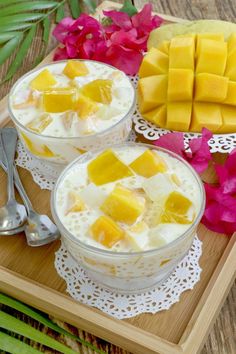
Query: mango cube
(75,203)
(59,100)
(148,164)
(75,68)
(212,36)
(157,116)
(40,151)
(181,53)
(43,81)
(180,85)
(40,123)
(178,115)
(230,70)
(106,168)
(210,87)
(176,209)
(212,57)
(206,115)
(85,107)
(155,62)
(123,205)
(164,47)
(228,119)
(152,92)
(105,231)
(231,43)
(231,94)
(98,90)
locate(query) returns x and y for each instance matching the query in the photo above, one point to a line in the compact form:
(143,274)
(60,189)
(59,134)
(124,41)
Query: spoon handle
(21,190)
(9,139)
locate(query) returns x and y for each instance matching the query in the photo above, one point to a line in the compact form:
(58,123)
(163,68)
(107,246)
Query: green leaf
(129,8)
(60,13)
(15,346)
(14,27)
(29,16)
(21,53)
(75,8)
(91,5)
(46,29)
(4,37)
(27,310)
(15,325)
(9,47)
(29,6)
(7,2)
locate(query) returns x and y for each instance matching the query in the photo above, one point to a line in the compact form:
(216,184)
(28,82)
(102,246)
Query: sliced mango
(155,62)
(180,85)
(152,92)
(164,47)
(59,100)
(43,81)
(106,168)
(85,107)
(230,70)
(231,43)
(123,205)
(98,90)
(210,87)
(157,116)
(207,35)
(42,151)
(75,203)
(228,114)
(105,231)
(75,68)
(182,50)
(231,94)
(176,209)
(212,57)
(179,115)
(148,164)
(206,115)
(40,123)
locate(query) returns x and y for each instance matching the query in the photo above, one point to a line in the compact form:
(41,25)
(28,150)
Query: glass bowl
(128,272)
(56,152)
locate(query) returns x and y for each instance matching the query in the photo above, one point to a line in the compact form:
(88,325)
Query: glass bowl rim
(56,138)
(136,253)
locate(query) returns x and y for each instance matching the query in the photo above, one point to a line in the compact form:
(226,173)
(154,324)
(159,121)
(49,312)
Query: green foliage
(129,8)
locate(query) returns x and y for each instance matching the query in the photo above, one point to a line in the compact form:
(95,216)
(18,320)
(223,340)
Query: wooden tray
(29,275)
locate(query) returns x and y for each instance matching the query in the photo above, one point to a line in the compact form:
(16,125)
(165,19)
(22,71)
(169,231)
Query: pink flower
(227,173)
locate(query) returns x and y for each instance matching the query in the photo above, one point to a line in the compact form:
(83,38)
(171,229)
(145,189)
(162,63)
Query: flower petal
(173,142)
(62,29)
(121,19)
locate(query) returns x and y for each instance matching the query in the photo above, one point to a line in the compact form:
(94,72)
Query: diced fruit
(206,115)
(137,236)
(40,123)
(75,68)
(42,151)
(106,112)
(231,94)
(152,92)
(176,209)
(212,36)
(212,57)
(43,81)
(210,87)
(30,101)
(105,231)
(164,47)
(180,85)
(230,70)
(92,195)
(106,168)
(67,119)
(75,203)
(98,90)
(157,116)
(178,115)
(123,205)
(148,164)
(231,43)
(85,107)
(60,100)
(158,187)
(155,62)
(166,233)
(175,179)
(182,53)
(228,119)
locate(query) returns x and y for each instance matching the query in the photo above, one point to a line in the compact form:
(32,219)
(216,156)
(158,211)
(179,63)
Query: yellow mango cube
(152,91)
(123,205)
(212,57)
(105,231)
(231,43)
(43,81)
(212,36)
(40,123)
(181,53)
(106,168)
(210,87)
(148,164)
(98,90)
(164,47)
(206,115)
(178,116)
(75,68)
(75,203)
(228,120)
(180,85)
(85,107)
(176,209)
(155,62)
(230,70)
(40,151)
(59,100)
(231,94)
(157,116)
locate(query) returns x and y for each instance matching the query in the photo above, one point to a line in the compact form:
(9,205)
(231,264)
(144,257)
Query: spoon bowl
(12,216)
(12,232)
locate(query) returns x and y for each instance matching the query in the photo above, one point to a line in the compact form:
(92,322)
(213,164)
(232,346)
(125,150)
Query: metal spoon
(13,214)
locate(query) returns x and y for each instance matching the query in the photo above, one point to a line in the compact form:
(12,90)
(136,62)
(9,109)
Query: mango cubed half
(176,209)
(210,87)
(228,114)
(231,43)
(180,85)
(155,62)
(206,115)
(212,57)
(164,47)
(231,94)
(230,70)
(179,116)
(148,164)
(75,68)
(106,168)
(43,81)
(152,91)
(123,205)
(98,90)
(207,35)
(157,116)
(106,231)
(85,107)
(59,100)
(40,123)
(181,53)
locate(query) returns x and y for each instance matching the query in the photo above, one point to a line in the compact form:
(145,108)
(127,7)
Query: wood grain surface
(222,337)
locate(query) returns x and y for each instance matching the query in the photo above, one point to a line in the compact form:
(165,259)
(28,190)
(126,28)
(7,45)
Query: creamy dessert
(131,201)
(68,107)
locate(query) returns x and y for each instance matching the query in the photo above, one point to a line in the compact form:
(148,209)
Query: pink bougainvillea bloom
(227,173)
(121,20)
(144,21)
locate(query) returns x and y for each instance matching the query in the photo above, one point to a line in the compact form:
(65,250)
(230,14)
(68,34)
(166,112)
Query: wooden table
(222,338)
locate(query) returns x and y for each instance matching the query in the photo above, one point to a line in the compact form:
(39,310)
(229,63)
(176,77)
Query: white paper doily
(85,290)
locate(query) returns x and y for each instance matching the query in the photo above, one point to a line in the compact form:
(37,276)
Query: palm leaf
(9,47)
(46,29)
(15,346)
(29,6)
(60,14)
(91,5)
(75,8)
(25,17)
(4,37)
(15,26)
